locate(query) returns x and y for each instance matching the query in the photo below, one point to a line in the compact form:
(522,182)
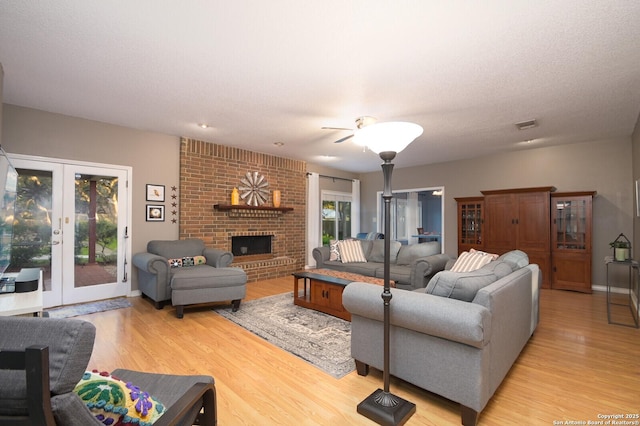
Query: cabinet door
(500,231)
(470,223)
(533,222)
(319,294)
(571,271)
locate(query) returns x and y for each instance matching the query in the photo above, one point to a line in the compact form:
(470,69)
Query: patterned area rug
(320,339)
(88,308)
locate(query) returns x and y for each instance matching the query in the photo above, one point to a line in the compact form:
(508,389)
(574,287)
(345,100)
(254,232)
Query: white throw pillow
(334,250)
(351,251)
(468,262)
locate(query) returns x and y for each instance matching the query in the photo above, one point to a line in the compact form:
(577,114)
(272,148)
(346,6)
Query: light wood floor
(576,367)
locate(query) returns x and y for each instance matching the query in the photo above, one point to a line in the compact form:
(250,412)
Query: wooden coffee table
(322,292)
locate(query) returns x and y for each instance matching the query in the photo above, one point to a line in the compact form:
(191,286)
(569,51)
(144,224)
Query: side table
(22,303)
(633,290)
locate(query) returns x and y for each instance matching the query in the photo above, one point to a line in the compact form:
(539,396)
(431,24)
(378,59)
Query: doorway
(71,220)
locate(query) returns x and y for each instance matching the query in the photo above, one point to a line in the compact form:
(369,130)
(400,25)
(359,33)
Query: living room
(608,165)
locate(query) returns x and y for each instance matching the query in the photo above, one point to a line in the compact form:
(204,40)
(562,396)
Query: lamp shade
(390,136)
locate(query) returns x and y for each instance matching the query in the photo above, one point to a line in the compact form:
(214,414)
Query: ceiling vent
(524,125)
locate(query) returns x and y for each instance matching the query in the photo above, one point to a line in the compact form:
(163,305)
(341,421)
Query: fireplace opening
(251,244)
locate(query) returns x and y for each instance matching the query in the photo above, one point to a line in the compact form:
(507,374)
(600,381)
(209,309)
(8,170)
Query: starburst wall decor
(254,189)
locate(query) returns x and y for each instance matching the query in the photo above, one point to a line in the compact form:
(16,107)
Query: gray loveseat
(172,270)
(412,266)
(459,349)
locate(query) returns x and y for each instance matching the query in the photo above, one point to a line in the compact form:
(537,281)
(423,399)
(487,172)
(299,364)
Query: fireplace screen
(254,244)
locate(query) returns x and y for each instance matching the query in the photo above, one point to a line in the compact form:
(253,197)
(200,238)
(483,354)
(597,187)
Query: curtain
(355,207)
(313,216)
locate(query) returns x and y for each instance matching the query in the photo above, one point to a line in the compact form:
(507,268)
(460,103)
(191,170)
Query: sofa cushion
(377,251)
(468,261)
(411,252)
(351,251)
(464,285)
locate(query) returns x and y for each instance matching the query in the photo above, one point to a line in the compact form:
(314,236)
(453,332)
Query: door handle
(55,243)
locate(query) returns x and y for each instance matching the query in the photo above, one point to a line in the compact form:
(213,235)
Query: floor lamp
(386,140)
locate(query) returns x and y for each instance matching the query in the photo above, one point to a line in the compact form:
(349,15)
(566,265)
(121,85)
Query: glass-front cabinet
(470,221)
(571,229)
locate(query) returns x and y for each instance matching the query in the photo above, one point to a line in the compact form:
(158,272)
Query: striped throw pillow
(351,251)
(468,262)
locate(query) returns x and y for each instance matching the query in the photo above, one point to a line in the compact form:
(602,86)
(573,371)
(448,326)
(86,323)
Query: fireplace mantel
(241,210)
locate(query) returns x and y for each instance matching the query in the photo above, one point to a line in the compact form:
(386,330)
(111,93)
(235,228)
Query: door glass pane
(344,219)
(31,244)
(96,229)
(328,221)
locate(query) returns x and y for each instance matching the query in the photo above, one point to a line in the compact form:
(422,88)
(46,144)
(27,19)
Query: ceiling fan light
(390,136)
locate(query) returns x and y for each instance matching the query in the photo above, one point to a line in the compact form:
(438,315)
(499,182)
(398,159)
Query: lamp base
(386,409)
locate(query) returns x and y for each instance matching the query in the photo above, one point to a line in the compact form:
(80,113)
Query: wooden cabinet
(571,229)
(520,219)
(327,297)
(470,223)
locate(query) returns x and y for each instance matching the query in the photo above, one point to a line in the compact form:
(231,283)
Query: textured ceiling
(260,72)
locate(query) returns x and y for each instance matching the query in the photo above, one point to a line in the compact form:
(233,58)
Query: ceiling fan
(360,123)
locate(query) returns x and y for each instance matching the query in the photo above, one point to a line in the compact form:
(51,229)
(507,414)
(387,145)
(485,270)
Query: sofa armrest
(151,263)
(321,255)
(153,275)
(218,258)
(450,319)
(423,268)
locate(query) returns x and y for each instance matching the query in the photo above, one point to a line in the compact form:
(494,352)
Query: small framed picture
(155,193)
(155,213)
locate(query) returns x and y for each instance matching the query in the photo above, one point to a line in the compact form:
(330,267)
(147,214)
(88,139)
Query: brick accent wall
(208,174)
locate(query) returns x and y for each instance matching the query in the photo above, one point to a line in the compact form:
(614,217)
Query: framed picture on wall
(155,213)
(155,192)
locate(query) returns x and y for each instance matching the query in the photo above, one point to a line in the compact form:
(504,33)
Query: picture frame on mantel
(155,213)
(155,193)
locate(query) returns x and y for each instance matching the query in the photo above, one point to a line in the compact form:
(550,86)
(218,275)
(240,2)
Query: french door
(71,220)
(336,216)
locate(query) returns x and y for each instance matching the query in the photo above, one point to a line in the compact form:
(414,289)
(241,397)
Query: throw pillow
(351,251)
(114,402)
(468,262)
(334,250)
(175,263)
(199,260)
(187,261)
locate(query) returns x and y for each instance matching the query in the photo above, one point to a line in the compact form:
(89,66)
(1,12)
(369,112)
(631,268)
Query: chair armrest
(321,255)
(218,258)
(151,263)
(204,391)
(423,268)
(34,361)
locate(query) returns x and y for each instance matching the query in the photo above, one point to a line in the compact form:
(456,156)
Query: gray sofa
(412,266)
(459,349)
(160,278)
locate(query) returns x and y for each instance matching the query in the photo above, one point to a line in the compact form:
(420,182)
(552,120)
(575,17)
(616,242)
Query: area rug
(320,339)
(88,308)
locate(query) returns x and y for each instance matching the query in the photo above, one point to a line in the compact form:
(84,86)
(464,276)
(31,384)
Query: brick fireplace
(208,174)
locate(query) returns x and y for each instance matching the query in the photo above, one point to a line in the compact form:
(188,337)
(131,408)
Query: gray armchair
(42,360)
(170,270)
